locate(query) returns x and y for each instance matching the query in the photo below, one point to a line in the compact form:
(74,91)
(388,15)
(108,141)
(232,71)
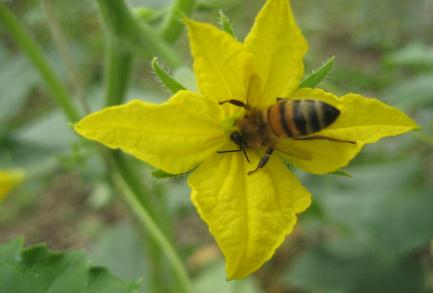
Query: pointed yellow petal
(174,136)
(9,179)
(318,156)
(249,216)
(221,64)
(278,48)
(363,120)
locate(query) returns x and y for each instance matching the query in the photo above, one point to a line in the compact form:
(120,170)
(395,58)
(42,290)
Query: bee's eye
(237,138)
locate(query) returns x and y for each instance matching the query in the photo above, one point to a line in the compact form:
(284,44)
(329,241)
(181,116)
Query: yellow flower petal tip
(236,136)
(249,215)
(9,179)
(174,136)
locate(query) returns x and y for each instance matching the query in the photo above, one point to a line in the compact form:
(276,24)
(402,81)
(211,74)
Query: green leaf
(341,173)
(413,55)
(186,77)
(380,221)
(17,78)
(50,132)
(324,269)
(209,5)
(225,24)
(126,259)
(212,279)
(317,75)
(173,85)
(158,173)
(414,92)
(38,270)
(384,204)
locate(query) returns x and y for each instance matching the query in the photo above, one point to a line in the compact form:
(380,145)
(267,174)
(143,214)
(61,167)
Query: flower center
(229,124)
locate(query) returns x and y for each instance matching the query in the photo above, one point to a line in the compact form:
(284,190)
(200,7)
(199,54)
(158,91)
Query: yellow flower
(9,180)
(249,215)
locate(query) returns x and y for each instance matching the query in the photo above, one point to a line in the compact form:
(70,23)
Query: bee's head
(238,139)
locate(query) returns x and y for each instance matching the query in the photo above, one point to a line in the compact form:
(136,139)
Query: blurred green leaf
(325,270)
(213,280)
(156,4)
(158,173)
(49,132)
(126,258)
(169,82)
(146,14)
(377,223)
(341,173)
(317,75)
(36,269)
(209,5)
(413,55)
(17,78)
(185,76)
(413,92)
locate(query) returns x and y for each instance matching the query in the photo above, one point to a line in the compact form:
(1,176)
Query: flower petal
(9,179)
(221,64)
(363,120)
(249,215)
(278,48)
(174,136)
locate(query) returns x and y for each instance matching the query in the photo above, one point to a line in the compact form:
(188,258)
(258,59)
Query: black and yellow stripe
(297,118)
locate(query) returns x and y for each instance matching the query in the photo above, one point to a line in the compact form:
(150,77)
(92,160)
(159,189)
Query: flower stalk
(118,68)
(153,230)
(172,26)
(137,35)
(119,63)
(36,56)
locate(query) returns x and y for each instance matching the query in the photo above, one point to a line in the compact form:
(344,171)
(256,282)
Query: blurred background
(371,232)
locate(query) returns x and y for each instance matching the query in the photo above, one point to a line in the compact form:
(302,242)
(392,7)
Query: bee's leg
(263,160)
(321,137)
(236,151)
(280,99)
(235,102)
(229,151)
(246,155)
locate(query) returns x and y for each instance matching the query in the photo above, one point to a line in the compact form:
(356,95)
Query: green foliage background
(369,233)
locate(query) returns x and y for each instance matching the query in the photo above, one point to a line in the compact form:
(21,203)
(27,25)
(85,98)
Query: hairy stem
(36,56)
(153,230)
(172,25)
(137,35)
(118,71)
(63,48)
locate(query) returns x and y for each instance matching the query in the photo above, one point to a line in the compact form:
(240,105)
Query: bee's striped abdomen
(296,118)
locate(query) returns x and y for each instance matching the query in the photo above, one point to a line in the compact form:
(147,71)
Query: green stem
(129,175)
(118,66)
(36,56)
(142,195)
(153,230)
(172,25)
(118,69)
(137,35)
(60,40)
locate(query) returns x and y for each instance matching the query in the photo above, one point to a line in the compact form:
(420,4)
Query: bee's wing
(285,147)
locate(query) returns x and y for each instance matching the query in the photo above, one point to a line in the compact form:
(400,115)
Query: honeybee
(286,119)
